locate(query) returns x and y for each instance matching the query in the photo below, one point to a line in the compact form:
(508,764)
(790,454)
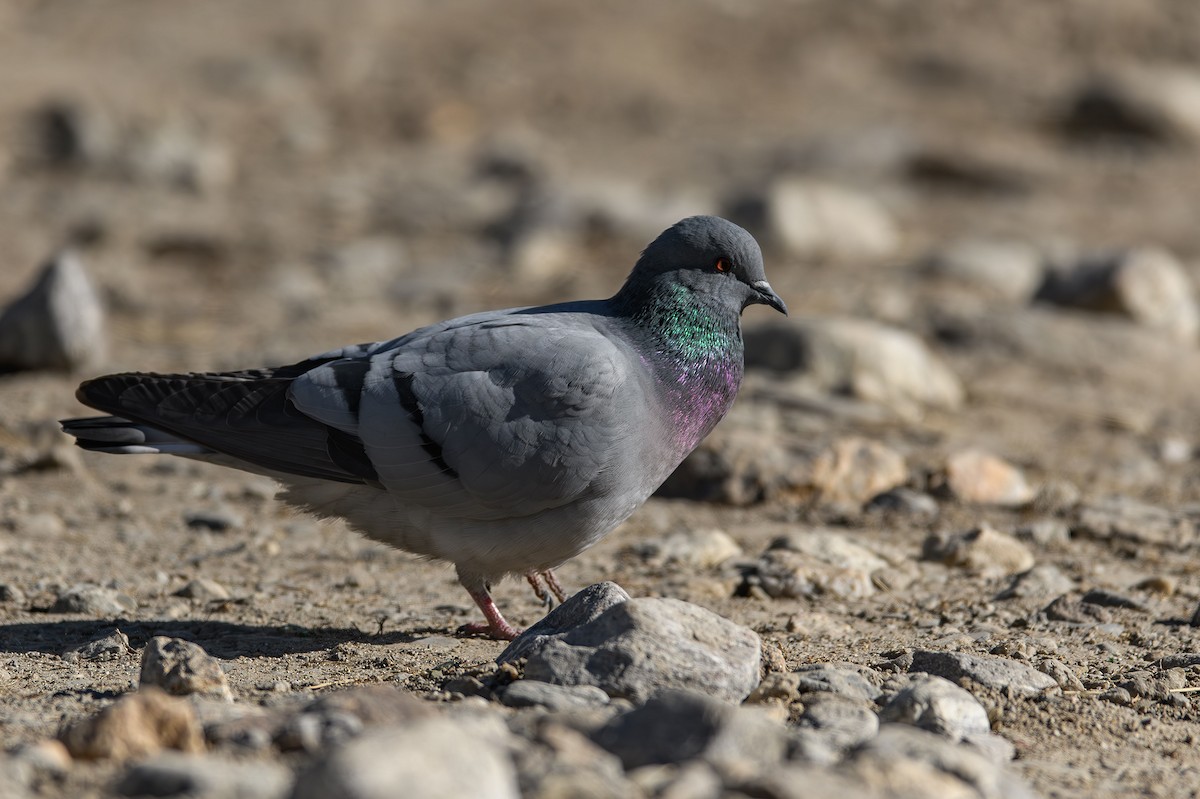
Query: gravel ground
(959,483)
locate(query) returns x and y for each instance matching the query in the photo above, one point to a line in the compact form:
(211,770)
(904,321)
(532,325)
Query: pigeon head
(712,256)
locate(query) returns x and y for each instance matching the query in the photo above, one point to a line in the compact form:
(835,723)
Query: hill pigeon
(504,442)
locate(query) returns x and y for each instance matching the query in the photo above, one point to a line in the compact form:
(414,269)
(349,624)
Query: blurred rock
(181,668)
(111,644)
(938,705)
(677,726)
(864,359)
(853,470)
(339,716)
(734,467)
(205,777)
(581,608)
(136,725)
(982,478)
(427,759)
(531,693)
(640,647)
(1002,674)
(984,550)
(1011,270)
(812,219)
(829,547)
(1146,284)
(93,600)
(1157,104)
(1061,674)
(841,722)
(786,574)
(1128,519)
(1041,582)
(703,549)
(59,322)
(904,501)
(66,133)
(219,519)
(204,589)
(564,763)
(967,167)
(1046,533)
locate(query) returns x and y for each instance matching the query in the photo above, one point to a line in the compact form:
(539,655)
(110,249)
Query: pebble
(706,548)
(181,668)
(555,698)
(984,550)
(1011,270)
(1161,584)
(786,574)
(106,646)
(846,681)
(734,467)
(1046,533)
(135,725)
(829,547)
(1123,518)
(1061,674)
(1111,599)
(1043,581)
(57,324)
(583,607)
(219,520)
(93,600)
(639,647)
(1147,285)
(203,589)
(870,361)
(904,501)
(430,758)
(1157,104)
(984,479)
(853,470)
(1064,608)
(1002,674)
(205,777)
(562,763)
(811,219)
(11,594)
(677,726)
(938,705)
(841,722)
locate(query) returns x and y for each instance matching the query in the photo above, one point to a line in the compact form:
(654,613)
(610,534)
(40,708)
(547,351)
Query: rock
(906,502)
(181,668)
(1161,584)
(136,725)
(841,722)
(938,705)
(11,594)
(829,547)
(205,777)
(428,759)
(1011,270)
(810,219)
(1111,599)
(999,673)
(1156,104)
(33,769)
(833,678)
(1146,284)
(204,589)
(703,549)
(983,550)
(342,715)
(1127,519)
(564,763)
(853,470)
(785,574)
(557,698)
(1041,582)
(1046,533)
(65,133)
(1075,612)
(734,467)
(640,647)
(805,780)
(678,726)
(867,360)
(57,324)
(111,644)
(581,608)
(219,520)
(982,478)
(93,600)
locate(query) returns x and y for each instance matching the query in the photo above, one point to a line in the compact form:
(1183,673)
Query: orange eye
(722,265)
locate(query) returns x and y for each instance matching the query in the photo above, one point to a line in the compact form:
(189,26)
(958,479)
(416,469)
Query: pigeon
(504,442)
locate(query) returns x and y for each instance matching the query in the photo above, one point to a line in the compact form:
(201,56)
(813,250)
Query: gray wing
(506,415)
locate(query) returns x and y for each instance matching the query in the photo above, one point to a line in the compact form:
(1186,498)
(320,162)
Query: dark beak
(767,296)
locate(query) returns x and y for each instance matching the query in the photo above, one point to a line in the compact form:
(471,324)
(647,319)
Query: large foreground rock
(637,648)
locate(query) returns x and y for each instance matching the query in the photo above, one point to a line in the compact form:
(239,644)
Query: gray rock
(94,600)
(181,667)
(704,548)
(1111,599)
(11,594)
(531,693)
(904,501)
(829,546)
(938,705)
(111,644)
(1046,532)
(1012,270)
(1041,582)
(205,777)
(218,520)
(734,467)
(808,780)
(853,470)
(204,589)
(1147,285)
(581,608)
(1128,519)
(428,759)
(640,647)
(59,322)
(988,670)
(677,726)
(787,574)
(984,550)
(867,360)
(845,681)
(1154,104)
(564,763)
(1058,671)
(842,722)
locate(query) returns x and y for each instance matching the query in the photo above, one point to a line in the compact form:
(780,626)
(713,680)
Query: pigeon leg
(552,581)
(535,582)
(496,626)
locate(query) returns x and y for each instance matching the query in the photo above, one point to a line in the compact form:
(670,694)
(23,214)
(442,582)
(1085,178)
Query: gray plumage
(503,442)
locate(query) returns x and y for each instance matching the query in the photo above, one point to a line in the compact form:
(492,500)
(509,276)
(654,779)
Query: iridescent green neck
(685,326)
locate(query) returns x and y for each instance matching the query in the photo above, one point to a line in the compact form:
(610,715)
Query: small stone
(555,698)
(1075,612)
(703,549)
(938,705)
(427,759)
(1046,533)
(1111,599)
(1043,581)
(904,501)
(843,680)
(1118,696)
(987,670)
(11,594)
(829,547)
(219,520)
(180,668)
(93,600)
(734,467)
(1147,285)
(1012,270)
(1061,674)
(581,608)
(111,644)
(853,470)
(136,725)
(46,759)
(1155,104)
(786,574)
(1127,519)
(982,478)
(58,324)
(175,774)
(984,550)
(843,723)
(812,219)
(563,763)
(203,589)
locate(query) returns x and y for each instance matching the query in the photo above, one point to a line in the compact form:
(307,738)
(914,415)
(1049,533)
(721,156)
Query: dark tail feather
(123,437)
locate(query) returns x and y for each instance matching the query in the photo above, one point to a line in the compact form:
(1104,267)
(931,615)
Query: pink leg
(496,626)
(552,581)
(535,582)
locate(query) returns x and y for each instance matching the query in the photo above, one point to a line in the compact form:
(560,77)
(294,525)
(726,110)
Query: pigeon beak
(767,296)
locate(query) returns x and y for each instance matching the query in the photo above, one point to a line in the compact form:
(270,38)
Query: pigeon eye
(722,265)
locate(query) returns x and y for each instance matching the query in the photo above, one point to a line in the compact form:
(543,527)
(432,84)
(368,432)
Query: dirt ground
(252,184)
